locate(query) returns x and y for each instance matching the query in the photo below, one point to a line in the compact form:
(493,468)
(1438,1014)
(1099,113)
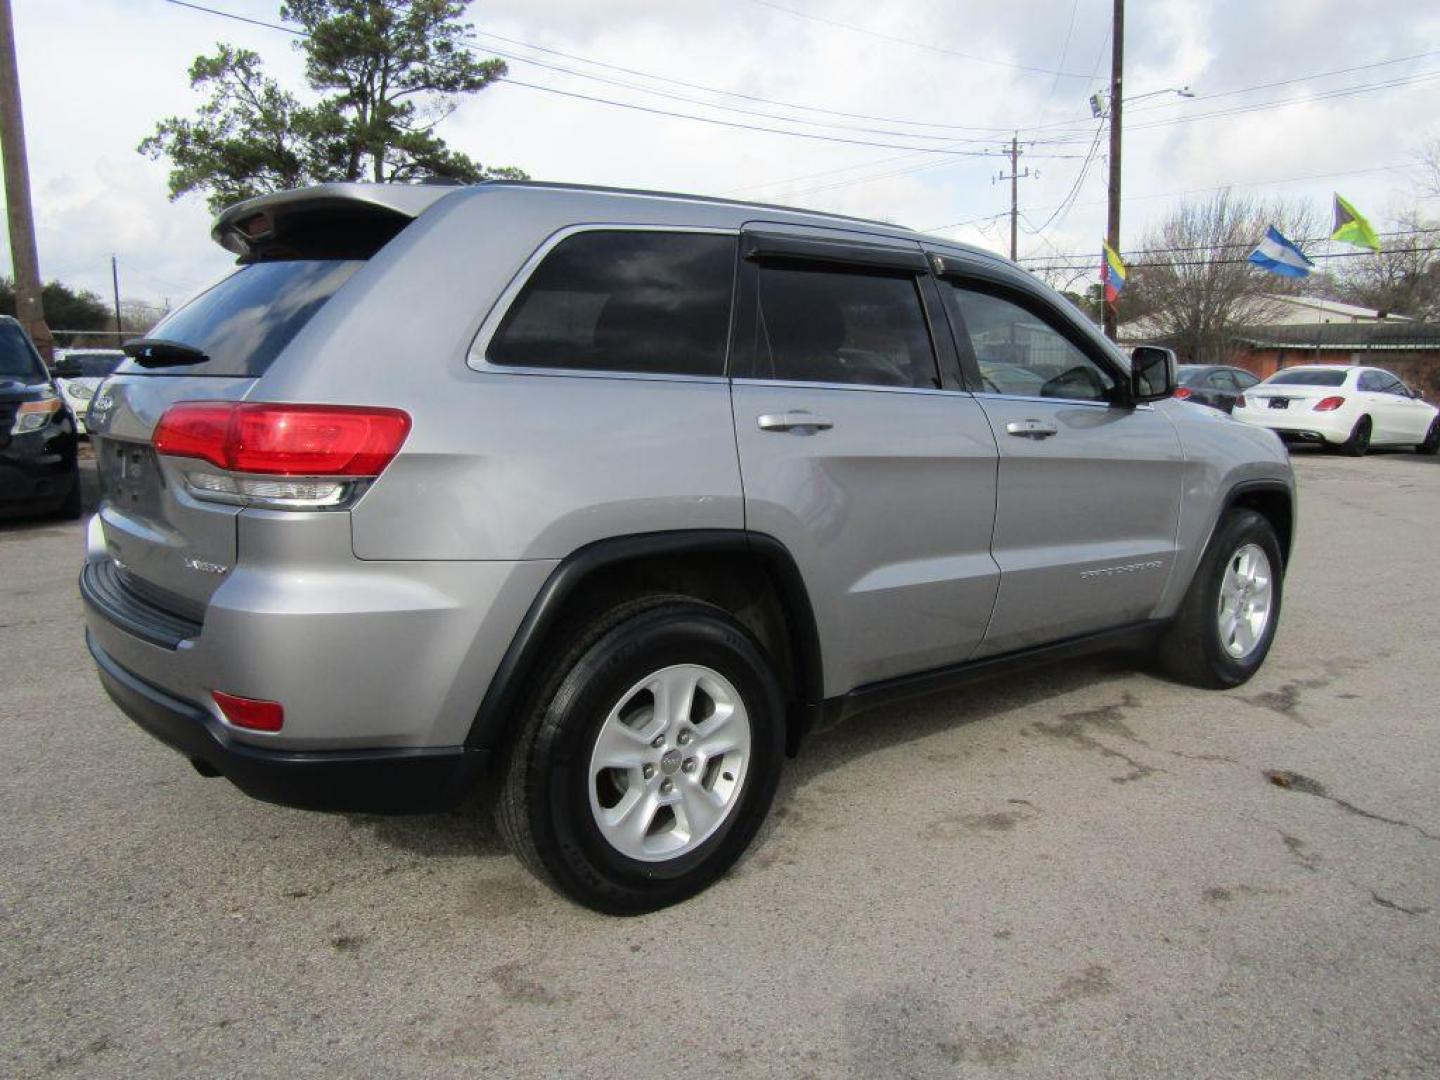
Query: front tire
(1227,622)
(649,758)
(1431,445)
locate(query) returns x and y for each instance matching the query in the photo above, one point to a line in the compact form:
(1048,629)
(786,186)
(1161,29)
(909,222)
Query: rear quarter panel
(502,465)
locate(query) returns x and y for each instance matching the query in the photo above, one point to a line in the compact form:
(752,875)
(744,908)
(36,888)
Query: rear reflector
(250,713)
(1329,404)
(1182,392)
(283,440)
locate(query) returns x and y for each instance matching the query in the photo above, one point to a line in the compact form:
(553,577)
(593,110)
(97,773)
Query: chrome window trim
(986,394)
(799,384)
(475,357)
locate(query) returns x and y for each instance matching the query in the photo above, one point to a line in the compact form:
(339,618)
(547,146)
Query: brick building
(1411,350)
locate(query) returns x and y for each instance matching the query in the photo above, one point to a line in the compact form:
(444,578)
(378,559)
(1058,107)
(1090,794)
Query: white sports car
(1349,408)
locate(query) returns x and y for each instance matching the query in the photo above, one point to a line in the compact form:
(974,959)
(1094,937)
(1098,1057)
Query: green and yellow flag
(1352,228)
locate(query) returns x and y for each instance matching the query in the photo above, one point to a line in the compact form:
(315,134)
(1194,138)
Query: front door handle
(1031,429)
(797,420)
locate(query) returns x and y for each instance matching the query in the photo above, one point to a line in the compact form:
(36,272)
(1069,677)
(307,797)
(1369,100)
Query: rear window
(18,361)
(245,321)
(1308,377)
(93,365)
(640,301)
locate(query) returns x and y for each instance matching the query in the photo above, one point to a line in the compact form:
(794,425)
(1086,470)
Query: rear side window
(842,326)
(244,322)
(615,300)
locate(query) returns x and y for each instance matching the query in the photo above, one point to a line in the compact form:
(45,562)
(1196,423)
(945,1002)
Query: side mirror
(1152,373)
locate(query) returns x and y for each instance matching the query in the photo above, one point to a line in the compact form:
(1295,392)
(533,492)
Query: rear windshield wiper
(161,352)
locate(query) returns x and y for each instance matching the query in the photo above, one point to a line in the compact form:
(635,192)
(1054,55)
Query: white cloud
(97,74)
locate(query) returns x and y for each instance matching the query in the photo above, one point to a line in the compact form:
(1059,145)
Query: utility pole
(1015,177)
(115,281)
(1112,224)
(29,305)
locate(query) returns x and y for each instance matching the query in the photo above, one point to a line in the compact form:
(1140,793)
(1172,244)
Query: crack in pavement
(1293,781)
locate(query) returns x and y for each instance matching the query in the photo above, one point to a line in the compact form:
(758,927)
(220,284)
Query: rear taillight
(1240,402)
(250,713)
(1182,392)
(323,452)
(1329,404)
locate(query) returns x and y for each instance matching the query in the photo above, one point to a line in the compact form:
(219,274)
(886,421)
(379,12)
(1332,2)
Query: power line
(994,129)
(928,46)
(1238,245)
(1094,263)
(1196,190)
(646,108)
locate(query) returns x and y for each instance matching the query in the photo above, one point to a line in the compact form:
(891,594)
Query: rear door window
(244,322)
(649,302)
(841,326)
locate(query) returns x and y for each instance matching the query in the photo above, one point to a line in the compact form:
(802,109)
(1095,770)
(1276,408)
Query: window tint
(1006,336)
(1309,377)
(1372,380)
(1223,380)
(244,322)
(652,302)
(18,360)
(1245,379)
(95,365)
(841,326)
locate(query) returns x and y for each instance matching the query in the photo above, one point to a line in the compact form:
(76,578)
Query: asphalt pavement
(1081,871)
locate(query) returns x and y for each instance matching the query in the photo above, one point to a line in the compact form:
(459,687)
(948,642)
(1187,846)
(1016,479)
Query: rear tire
(1359,441)
(581,827)
(1201,647)
(1431,445)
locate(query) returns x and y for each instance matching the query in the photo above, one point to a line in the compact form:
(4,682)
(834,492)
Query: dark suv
(38,474)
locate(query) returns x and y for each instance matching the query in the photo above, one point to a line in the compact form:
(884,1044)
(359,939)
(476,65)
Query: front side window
(616,300)
(1020,354)
(18,360)
(1245,379)
(841,326)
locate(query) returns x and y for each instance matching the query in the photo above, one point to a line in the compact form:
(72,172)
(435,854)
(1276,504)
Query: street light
(1098,101)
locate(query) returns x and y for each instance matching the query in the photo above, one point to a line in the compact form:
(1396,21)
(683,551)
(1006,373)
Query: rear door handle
(797,420)
(1031,429)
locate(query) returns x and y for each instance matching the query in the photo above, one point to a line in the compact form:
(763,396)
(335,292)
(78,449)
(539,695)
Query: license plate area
(1279,403)
(130,474)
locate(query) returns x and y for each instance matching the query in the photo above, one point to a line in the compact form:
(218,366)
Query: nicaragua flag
(1280,256)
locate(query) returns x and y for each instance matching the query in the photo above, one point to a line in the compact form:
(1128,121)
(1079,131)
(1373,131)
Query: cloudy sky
(899,102)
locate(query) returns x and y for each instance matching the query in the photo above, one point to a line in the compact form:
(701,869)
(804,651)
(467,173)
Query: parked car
(38,470)
(1215,385)
(604,498)
(1349,409)
(79,372)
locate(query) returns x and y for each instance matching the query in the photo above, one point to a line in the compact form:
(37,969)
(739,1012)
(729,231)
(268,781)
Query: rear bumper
(400,780)
(1300,425)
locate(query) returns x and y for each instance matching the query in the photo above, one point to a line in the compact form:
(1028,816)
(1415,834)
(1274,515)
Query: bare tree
(1401,279)
(1430,167)
(1193,278)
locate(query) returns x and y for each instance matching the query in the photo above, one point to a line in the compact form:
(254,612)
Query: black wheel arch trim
(1247,487)
(524,654)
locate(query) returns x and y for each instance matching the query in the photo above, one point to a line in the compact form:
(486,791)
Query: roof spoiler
(328,221)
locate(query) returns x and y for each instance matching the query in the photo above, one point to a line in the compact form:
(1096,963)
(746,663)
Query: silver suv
(606,497)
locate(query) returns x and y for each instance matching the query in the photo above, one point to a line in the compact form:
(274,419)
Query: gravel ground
(1082,872)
